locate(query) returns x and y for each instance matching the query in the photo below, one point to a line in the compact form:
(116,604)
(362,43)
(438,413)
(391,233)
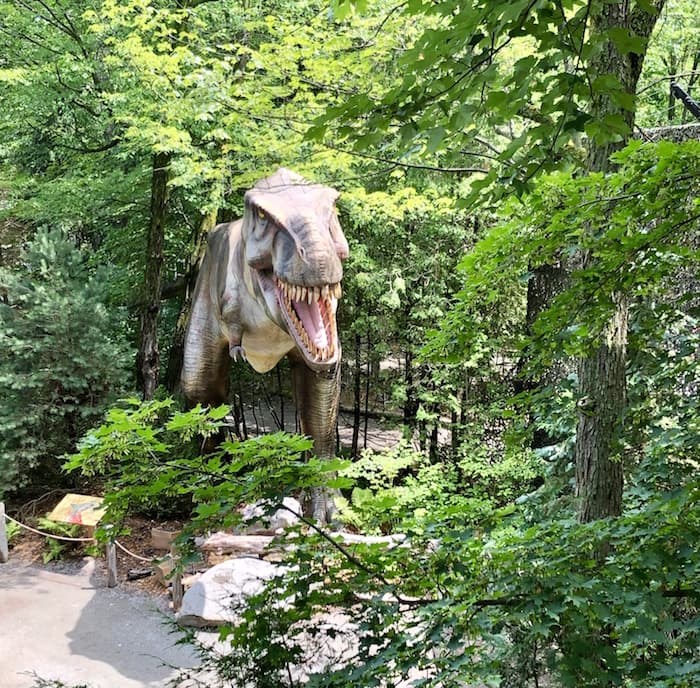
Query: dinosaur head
(295,247)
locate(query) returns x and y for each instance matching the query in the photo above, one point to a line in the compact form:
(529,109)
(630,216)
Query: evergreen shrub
(62,359)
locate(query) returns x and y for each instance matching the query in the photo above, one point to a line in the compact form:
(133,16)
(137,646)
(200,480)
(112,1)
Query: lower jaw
(320,360)
(315,362)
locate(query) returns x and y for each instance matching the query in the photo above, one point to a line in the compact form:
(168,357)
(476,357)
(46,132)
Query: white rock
(329,641)
(280,520)
(220,592)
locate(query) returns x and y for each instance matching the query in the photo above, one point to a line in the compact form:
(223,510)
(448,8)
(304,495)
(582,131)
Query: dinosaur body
(268,287)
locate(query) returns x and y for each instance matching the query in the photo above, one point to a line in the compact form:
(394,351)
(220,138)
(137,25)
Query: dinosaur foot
(322,509)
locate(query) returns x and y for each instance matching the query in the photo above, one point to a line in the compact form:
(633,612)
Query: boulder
(283,518)
(218,595)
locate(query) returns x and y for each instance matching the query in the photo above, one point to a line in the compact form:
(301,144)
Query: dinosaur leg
(206,364)
(205,369)
(316,396)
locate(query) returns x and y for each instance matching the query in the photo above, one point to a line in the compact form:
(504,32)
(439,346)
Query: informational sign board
(84,510)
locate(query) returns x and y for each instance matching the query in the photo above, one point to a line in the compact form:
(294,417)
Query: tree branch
(98,149)
(413,166)
(30,39)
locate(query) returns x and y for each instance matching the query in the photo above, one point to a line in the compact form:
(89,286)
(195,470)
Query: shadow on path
(73,628)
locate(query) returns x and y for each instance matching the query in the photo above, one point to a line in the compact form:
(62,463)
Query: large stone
(220,593)
(283,518)
(329,641)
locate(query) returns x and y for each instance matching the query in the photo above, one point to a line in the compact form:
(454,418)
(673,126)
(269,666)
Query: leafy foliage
(145,454)
(475,67)
(511,599)
(517,595)
(399,489)
(56,549)
(672,57)
(634,221)
(63,359)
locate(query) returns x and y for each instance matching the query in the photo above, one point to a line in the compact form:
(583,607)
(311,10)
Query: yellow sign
(81,509)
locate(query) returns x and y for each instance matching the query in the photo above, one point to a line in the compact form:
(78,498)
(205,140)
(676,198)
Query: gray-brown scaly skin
(269,285)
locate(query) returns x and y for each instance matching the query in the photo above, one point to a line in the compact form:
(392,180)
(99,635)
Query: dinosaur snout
(307,263)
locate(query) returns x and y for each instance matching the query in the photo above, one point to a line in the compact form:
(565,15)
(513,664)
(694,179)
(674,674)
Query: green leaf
(626,41)
(219,412)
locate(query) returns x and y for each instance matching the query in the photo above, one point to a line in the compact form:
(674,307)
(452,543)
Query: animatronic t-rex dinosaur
(268,287)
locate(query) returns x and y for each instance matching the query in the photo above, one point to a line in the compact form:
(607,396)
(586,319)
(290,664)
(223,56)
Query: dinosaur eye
(261,215)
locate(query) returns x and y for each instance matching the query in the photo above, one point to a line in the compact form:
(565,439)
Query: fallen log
(356,539)
(258,545)
(226,543)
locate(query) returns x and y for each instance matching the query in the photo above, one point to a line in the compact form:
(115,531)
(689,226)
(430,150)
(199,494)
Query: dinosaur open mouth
(310,316)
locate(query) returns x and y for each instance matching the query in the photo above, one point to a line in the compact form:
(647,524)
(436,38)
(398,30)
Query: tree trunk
(357,391)
(367,388)
(410,407)
(177,348)
(546,283)
(148,356)
(602,381)
(599,468)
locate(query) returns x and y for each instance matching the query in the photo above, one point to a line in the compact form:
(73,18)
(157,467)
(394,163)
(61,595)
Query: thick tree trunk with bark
(544,285)
(599,467)
(602,380)
(148,356)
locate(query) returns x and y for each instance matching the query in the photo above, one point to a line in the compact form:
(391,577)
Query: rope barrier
(77,539)
(131,554)
(49,535)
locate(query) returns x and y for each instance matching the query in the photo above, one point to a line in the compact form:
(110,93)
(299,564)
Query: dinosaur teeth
(292,295)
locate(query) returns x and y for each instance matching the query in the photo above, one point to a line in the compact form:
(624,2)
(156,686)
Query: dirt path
(70,626)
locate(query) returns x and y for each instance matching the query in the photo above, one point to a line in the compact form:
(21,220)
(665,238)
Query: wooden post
(4,547)
(177,590)
(111,562)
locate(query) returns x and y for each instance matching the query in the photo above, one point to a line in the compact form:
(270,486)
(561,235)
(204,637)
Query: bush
(146,457)
(62,359)
(399,489)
